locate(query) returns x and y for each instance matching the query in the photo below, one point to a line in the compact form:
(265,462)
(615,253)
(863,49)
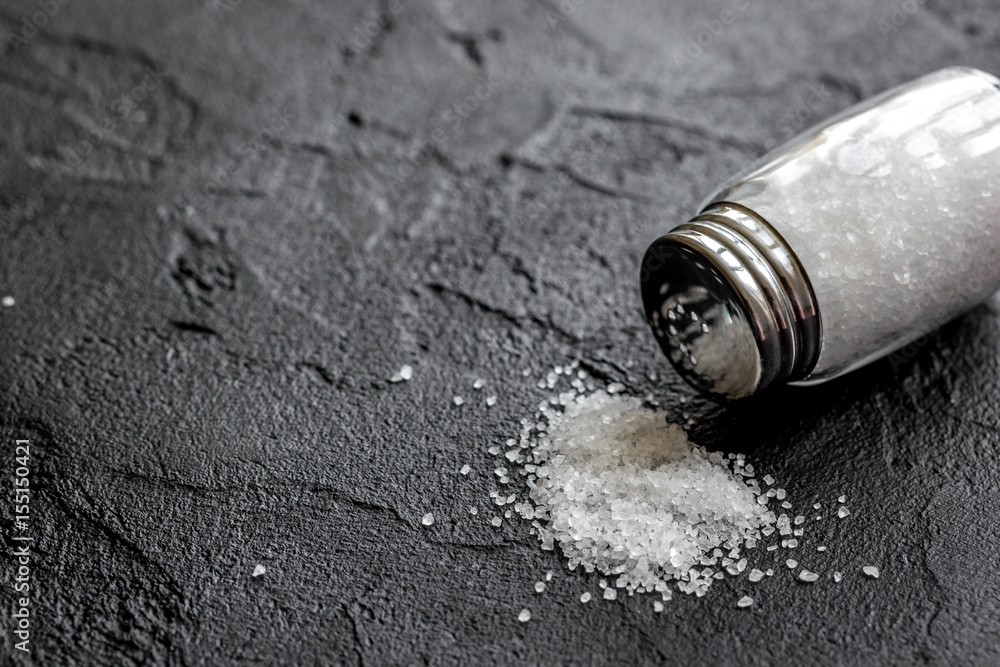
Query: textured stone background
(225,228)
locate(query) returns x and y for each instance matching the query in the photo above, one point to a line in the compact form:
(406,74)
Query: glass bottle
(853,239)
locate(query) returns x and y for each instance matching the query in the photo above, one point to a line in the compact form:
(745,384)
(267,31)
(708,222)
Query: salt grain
(807,576)
(539,587)
(466,469)
(259,570)
(871,571)
(744,601)
(478,384)
(405,374)
(610,594)
(842,512)
(657,606)
(7,302)
(842,499)
(428,519)
(496,521)
(585,597)
(524,616)
(836,577)
(792,564)
(473,511)
(756,575)
(458,400)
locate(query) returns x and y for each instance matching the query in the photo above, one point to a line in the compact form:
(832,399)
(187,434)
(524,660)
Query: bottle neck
(730,304)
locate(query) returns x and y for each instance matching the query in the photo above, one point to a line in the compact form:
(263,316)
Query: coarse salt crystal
(259,570)
(427,519)
(792,564)
(842,512)
(539,587)
(871,571)
(496,521)
(756,575)
(585,597)
(478,384)
(807,576)
(491,401)
(837,577)
(657,606)
(458,400)
(524,616)
(7,302)
(404,374)
(466,469)
(744,601)
(610,593)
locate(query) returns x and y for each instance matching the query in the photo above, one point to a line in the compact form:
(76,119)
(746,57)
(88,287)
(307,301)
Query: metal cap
(730,304)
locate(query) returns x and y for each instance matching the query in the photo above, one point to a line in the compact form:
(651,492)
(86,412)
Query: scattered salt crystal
(780,494)
(7,302)
(491,401)
(807,576)
(458,400)
(603,583)
(787,505)
(427,519)
(817,506)
(259,570)
(524,616)
(756,575)
(512,455)
(585,597)
(842,499)
(496,521)
(836,577)
(871,571)
(539,587)
(842,512)
(616,388)
(657,606)
(610,593)
(473,511)
(500,472)
(548,576)
(773,547)
(466,469)
(494,450)
(792,564)
(820,548)
(799,520)
(768,480)
(744,601)
(478,384)
(769,572)
(405,374)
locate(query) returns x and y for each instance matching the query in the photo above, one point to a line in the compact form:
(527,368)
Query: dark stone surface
(203,377)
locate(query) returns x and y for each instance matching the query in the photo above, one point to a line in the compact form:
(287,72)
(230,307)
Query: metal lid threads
(730,304)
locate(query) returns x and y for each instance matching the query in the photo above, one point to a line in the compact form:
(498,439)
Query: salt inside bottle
(852,240)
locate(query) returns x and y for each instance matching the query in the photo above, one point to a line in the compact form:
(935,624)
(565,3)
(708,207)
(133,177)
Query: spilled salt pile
(621,492)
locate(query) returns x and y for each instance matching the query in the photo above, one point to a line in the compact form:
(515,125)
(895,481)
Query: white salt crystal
(820,548)
(842,512)
(842,499)
(604,464)
(616,388)
(799,520)
(817,506)
(780,494)
(772,547)
(657,606)
(500,472)
(404,374)
(610,593)
(836,577)
(473,511)
(756,575)
(524,616)
(539,587)
(427,519)
(548,576)
(491,401)
(807,576)
(458,400)
(585,597)
(466,469)
(494,450)
(871,571)
(496,521)
(7,302)
(512,455)
(768,480)
(792,564)
(769,572)
(744,601)
(787,505)
(259,570)
(478,384)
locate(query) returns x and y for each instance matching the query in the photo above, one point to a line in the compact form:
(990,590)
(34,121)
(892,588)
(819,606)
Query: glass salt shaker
(853,239)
